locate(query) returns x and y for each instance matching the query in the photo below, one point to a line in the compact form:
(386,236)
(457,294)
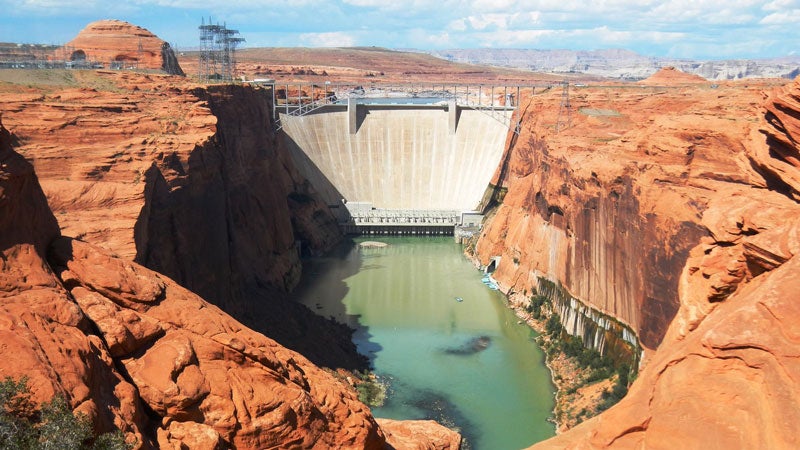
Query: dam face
(397,163)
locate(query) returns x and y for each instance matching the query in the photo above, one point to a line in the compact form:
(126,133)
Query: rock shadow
(323,288)
(434,405)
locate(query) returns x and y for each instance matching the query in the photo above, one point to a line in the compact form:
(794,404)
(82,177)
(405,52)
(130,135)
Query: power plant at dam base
(398,165)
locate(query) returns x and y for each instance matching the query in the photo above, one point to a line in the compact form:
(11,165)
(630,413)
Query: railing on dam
(362,218)
(304,98)
(408,161)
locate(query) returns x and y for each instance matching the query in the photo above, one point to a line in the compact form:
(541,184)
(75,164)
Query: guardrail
(299,99)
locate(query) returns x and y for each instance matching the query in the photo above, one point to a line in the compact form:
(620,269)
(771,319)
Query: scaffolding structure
(39,56)
(218,52)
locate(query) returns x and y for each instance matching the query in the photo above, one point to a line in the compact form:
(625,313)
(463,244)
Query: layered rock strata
(190,182)
(133,350)
(611,207)
(121,45)
(673,209)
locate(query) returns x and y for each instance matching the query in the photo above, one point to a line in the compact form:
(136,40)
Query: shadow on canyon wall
(230,222)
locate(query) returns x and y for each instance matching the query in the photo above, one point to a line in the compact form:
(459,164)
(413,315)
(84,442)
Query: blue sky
(707,29)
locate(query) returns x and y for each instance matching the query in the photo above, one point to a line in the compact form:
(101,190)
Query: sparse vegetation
(587,381)
(371,390)
(24,425)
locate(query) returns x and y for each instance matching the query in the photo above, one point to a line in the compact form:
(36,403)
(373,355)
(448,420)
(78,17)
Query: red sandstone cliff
(612,206)
(132,350)
(190,182)
(672,208)
(115,42)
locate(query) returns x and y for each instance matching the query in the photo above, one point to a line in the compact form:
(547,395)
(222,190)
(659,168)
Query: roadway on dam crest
(401,157)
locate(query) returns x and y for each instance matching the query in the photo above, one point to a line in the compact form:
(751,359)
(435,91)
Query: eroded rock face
(115,42)
(419,435)
(190,182)
(698,186)
(132,349)
(45,335)
(727,384)
(205,376)
(774,147)
(612,206)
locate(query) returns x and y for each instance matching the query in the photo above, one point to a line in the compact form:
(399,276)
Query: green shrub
(23,426)
(536,304)
(553,326)
(371,391)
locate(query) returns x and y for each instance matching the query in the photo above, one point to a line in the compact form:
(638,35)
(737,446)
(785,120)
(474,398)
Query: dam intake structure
(398,159)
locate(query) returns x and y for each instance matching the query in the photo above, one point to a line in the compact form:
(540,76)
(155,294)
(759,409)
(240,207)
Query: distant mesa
(120,45)
(671,75)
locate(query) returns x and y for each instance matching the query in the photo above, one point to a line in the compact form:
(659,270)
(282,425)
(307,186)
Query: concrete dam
(386,164)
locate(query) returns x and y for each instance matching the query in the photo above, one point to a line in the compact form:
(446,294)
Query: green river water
(469,365)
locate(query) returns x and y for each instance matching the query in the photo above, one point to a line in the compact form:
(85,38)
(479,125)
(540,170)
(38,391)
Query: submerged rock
(474,345)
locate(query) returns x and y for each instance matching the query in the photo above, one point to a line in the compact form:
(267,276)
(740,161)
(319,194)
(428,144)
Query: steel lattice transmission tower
(564,109)
(218,51)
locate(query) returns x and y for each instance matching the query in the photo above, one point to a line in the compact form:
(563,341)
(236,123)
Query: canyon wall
(673,209)
(134,351)
(581,205)
(188,181)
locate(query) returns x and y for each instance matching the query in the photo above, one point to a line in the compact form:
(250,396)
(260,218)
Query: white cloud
(335,39)
(483,21)
(781,5)
(457,25)
(791,17)
(648,26)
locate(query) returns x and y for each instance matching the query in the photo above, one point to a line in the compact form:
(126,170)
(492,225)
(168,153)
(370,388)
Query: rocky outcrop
(121,45)
(132,350)
(671,76)
(190,182)
(728,384)
(418,435)
(202,375)
(669,217)
(775,147)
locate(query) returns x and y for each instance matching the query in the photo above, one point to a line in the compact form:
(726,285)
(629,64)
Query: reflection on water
(449,347)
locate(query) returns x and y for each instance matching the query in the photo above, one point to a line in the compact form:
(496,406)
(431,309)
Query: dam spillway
(398,164)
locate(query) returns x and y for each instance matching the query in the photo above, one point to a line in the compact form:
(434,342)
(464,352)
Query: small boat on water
(459,299)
